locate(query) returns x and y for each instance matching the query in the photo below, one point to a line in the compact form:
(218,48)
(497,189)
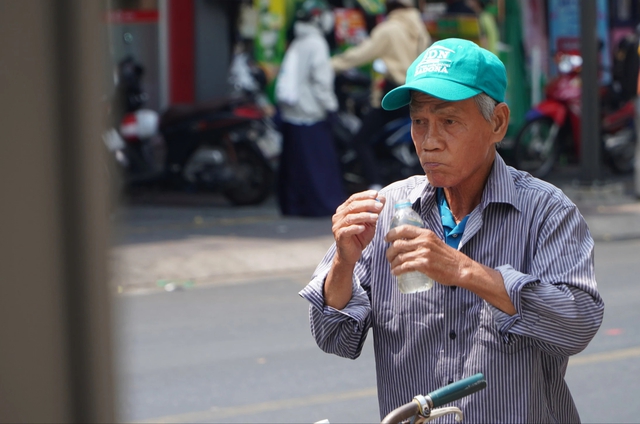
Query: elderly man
(512,257)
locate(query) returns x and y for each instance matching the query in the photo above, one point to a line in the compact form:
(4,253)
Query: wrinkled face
(454,142)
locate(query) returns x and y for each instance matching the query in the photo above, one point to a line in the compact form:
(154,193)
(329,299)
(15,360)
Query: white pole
(536,72)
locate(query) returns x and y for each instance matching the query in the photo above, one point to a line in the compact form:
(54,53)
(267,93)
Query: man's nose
(430,138)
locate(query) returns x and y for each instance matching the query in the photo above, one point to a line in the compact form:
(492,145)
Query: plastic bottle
(414,281)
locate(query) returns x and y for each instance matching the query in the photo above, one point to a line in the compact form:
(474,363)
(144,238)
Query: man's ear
(500,121)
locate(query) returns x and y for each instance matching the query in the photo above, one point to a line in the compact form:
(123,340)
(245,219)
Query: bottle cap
(404,203)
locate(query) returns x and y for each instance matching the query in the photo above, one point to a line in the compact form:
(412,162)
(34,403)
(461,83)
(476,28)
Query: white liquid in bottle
(414,281)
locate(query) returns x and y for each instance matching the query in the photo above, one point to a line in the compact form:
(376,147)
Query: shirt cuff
(357,309)
(514,282)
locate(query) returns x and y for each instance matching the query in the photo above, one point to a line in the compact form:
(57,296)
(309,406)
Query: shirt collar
(500,187)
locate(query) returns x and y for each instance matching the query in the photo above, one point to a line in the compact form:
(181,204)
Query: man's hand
(418,249)
(354,225)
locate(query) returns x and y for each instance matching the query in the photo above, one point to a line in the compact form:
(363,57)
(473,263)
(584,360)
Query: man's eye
(450,121)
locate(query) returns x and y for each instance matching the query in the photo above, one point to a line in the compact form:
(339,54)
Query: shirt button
(454,235)
(452,335)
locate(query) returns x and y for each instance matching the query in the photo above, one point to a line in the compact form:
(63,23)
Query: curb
(211,260)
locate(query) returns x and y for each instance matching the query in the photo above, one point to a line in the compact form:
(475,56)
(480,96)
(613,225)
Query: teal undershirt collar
(452,232)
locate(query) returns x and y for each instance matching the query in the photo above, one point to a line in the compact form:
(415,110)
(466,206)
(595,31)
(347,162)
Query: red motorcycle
(229,145)
(552,127)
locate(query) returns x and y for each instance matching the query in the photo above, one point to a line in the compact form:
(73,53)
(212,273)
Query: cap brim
(436,87)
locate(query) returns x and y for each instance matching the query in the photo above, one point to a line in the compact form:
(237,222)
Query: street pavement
(237,347)
(176,241)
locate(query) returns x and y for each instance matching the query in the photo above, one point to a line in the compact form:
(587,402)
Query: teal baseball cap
(451,69)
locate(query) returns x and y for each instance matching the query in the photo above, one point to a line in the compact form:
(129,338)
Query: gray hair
(486,105)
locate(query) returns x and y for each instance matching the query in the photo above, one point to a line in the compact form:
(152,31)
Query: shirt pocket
(404,314)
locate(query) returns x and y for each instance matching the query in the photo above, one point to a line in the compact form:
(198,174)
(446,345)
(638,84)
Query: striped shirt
(536,238)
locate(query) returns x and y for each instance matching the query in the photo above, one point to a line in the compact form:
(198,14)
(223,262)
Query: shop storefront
(134,29)
(186,46)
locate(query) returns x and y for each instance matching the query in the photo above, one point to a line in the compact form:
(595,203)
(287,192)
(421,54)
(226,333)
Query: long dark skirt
(310,181)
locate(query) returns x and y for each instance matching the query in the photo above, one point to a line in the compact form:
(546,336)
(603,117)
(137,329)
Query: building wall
(139,40)
(55,338)
(213,48)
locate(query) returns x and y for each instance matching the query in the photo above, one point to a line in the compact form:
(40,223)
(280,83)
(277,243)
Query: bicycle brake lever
(439,412)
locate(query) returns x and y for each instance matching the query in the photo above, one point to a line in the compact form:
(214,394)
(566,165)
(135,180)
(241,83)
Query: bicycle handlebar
(402,413)
(457,390)
(424,404)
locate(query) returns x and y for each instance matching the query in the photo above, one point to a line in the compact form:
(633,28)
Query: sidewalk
(611,212)
(184,247)
(167,247)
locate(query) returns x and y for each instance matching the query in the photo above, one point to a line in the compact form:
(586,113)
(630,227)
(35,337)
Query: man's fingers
(366,200)
(357,219)
(396,249)
(399,268)
(361,218)
(357,197)
(403,262)
(367,194)
(404,232)
(349,231)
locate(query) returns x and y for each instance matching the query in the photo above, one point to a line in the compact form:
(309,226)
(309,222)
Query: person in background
(515,292)
(397,41)
(309,180)
(459,7)
(626,86)
(489,32)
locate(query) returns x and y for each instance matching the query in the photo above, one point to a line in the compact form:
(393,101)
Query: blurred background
(148,272)
(187,47)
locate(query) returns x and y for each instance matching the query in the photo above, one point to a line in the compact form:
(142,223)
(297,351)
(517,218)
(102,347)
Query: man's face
(454,142)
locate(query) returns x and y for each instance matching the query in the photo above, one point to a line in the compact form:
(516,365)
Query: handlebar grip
(457,390)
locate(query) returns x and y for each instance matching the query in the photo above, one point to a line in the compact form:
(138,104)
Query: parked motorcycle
(394,150)
(552,127)
(131,135)
(229,145)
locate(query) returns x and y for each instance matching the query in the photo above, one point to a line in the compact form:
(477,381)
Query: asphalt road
(242,352)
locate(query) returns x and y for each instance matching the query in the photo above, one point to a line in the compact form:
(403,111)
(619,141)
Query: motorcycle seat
(184,111)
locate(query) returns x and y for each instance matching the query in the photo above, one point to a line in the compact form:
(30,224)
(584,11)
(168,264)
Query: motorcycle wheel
(536,146)
(254,178)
